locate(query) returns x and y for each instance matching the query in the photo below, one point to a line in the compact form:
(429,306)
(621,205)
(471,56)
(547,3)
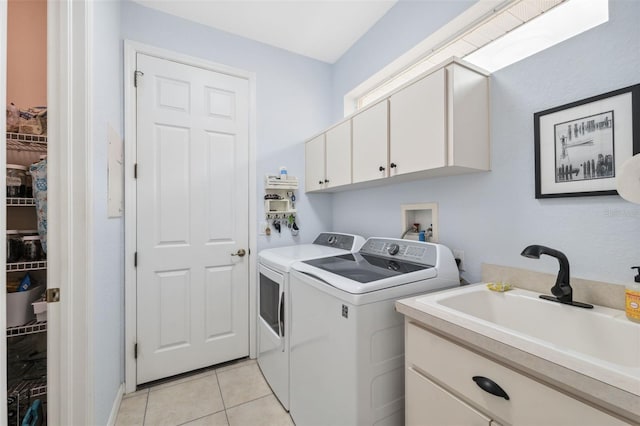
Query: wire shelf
(26,266)
(26,142)
(32,388)
(21,202)
(31,327)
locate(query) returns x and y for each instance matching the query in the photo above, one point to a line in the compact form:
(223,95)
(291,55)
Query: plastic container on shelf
(16,180)
(40,309)
(32,248)
(19,309)
(15,246)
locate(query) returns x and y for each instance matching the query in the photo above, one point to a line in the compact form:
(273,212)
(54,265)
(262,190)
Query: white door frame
(131,49)
(70,392)
(69,340)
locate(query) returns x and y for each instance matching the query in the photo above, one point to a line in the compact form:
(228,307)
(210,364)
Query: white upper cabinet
(441,121)
(418,125)
(314,164)
(338,155)
(437,125)
(371,143)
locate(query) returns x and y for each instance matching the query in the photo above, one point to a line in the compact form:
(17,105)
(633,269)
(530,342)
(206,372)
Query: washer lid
(365,268)
(356,273)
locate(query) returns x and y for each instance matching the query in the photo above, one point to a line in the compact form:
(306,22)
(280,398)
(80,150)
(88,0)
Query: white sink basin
(598,342)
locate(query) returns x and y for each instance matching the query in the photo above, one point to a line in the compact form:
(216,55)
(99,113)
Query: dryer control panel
(409,251)
(337,240)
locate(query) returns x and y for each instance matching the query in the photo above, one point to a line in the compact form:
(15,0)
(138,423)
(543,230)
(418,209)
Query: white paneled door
(192,218)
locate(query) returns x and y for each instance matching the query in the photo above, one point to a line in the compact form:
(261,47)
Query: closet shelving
(23,391)
(25,142)
(29,388)
(31,327)
(17,202)
(26,266)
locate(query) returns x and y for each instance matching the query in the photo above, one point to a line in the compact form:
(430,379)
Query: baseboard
(116,406)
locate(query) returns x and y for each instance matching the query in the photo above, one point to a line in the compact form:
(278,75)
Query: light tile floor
(235,394)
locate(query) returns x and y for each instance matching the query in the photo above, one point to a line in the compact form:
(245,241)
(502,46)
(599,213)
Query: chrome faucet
(562,289)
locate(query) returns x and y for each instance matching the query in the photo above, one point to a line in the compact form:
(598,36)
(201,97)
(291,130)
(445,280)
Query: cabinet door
(314,164)
(371,143)
(418,125)
(427,404)
(338,160)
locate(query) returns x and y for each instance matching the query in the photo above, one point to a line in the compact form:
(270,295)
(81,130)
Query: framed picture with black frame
(580,147)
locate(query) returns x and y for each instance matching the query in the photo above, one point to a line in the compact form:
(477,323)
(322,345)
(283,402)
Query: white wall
(493,216)
(401,28)
(108,243)
(293,101)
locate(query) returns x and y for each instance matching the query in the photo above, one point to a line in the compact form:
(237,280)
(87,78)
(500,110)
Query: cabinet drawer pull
(393,165)
(490,386)
(381,169)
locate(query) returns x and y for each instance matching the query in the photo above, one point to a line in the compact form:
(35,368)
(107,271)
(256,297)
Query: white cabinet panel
(418,125)
(314,164)
(371,143)
(427,404)
(338,155)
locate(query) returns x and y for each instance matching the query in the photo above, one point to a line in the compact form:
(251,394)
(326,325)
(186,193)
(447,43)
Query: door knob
(240,252)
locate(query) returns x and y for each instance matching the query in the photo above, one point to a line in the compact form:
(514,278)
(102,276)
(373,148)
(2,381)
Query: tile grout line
(224,406)
(146,406)
(253,400)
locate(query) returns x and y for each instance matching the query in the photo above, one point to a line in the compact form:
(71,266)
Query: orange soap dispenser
(632,297)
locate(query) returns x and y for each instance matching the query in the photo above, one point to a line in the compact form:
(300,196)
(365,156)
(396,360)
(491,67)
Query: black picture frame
(580,146)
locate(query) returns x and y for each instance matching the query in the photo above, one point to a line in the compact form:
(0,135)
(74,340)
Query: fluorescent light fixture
(507,35)
(557,25)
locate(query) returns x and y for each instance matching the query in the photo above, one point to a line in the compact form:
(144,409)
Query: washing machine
(347,340)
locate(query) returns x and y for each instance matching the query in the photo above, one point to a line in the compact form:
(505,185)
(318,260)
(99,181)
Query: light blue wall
(108,242)
(292,101)
(401,28)
(493,216)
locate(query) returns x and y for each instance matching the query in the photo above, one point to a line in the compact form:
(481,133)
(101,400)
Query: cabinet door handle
(490,386)
(326,181)
(393,165)
(319,182)
(381,169)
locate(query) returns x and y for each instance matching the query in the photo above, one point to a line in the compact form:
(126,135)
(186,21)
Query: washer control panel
(409,251)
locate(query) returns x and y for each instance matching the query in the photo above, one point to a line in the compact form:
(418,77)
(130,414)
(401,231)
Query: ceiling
(320,29)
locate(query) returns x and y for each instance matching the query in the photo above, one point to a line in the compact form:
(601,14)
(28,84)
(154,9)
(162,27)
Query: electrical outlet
(459,254)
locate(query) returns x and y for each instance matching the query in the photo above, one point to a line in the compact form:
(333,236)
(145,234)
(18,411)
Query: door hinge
(53,295)
(135,351)
(136,74)
(135,259)
(135,171)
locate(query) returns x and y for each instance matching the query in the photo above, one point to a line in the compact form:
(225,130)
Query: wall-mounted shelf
(283,206)
(26,266)
(32,327)
(26,142)
(21,202)
(272,182)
